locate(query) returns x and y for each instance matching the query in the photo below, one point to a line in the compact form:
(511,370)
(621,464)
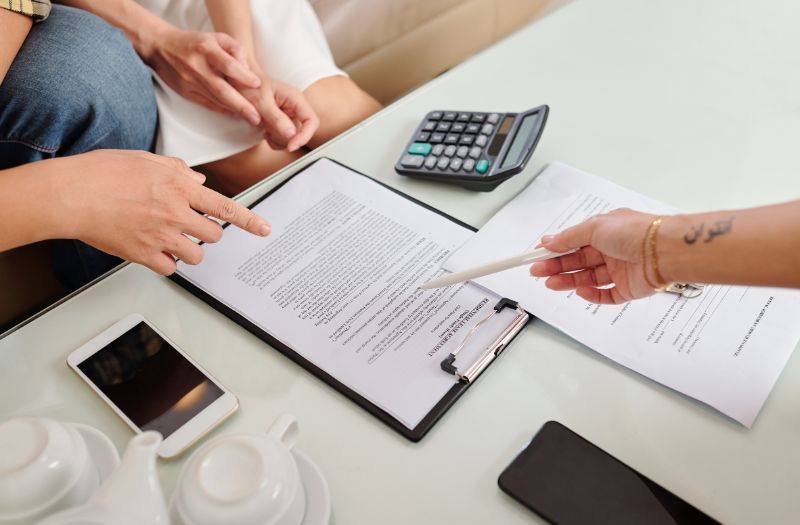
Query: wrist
(668,248)
(63,215)
(150,38)
(34,202)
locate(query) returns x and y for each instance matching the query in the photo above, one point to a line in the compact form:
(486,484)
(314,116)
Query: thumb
(277,120)
(572,238)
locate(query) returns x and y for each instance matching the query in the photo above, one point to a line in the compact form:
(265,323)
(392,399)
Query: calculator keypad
(453,142)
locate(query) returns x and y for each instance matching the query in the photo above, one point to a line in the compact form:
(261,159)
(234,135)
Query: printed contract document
(337,279)
(725,348)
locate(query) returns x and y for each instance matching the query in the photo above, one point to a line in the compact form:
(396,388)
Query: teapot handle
(285,430)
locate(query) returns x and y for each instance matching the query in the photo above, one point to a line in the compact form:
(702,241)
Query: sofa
(389,47)
(401,44)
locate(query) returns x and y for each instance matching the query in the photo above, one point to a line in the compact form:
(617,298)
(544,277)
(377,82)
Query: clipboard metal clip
(491,351)
(686,290)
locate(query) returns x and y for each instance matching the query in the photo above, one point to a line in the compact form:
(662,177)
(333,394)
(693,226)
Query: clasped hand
(212,69)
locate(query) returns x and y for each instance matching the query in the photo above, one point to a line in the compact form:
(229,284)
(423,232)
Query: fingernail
(547,238)
(254,117)
(264,230)
(289,132)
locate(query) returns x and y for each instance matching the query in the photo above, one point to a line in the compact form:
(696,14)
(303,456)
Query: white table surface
(694,102)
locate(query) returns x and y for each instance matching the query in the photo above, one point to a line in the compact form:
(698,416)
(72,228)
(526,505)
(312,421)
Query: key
(412,161)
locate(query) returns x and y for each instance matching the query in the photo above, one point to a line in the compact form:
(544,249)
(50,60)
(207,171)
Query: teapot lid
(40,459)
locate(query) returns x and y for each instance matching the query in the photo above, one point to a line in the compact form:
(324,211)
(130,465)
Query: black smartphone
(567,480)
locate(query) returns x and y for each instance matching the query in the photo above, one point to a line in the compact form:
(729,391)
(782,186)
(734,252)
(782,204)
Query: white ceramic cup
(242,478)
(45,466)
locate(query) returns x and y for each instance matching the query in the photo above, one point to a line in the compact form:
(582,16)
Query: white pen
(536,254)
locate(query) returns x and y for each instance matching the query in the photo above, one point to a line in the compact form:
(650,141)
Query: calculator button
(482,166)
(487,129)
(478,117)
(467,139)
(462,151)
(494,118)
(481,140)
(475,152)
(458,127)
(464,117)
(436,115)
(451,139)
(469,165)
(423,136)
(455,164)
(437,149)
(429,126)
(430,162)
(474,129)
(450,151)
(420,148)
(449,116)
(412,161)
(443,163)
(436,138)
(443,126)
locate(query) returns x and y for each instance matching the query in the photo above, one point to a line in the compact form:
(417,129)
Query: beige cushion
(356,28)
(390,47)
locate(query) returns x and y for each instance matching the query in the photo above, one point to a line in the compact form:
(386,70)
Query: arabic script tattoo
(718,228)
(694,234)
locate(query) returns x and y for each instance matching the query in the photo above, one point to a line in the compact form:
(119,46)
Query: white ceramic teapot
(130,496)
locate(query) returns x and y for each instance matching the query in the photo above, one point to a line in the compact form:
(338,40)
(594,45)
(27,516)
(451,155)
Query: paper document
(337,280)
(725,348)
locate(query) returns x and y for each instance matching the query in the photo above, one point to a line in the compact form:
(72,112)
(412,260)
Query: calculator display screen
(500,138)
(515,151)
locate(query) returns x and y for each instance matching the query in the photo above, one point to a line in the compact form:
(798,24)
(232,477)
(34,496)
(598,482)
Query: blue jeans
(76,85)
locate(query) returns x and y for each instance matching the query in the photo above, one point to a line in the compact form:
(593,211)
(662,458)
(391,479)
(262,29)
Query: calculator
(472,149)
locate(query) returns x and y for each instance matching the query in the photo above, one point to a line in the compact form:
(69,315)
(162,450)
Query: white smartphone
(151,384)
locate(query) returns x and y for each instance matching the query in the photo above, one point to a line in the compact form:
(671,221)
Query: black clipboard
(457,390)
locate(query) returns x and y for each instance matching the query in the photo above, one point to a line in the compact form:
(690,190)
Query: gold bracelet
(652,236)
(644,257)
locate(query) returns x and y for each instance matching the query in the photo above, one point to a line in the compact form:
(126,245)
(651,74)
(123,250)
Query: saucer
(318,497)
(101,449)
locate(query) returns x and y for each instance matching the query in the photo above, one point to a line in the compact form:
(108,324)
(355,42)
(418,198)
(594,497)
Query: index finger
(232,68)
(572,238)
(227,96)
(215,205)
(586,257)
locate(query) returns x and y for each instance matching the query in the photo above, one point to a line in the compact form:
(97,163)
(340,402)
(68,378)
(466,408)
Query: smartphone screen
(569,481)
(149,381)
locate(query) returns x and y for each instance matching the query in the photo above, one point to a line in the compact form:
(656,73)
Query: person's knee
(75,86)
(339,104)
